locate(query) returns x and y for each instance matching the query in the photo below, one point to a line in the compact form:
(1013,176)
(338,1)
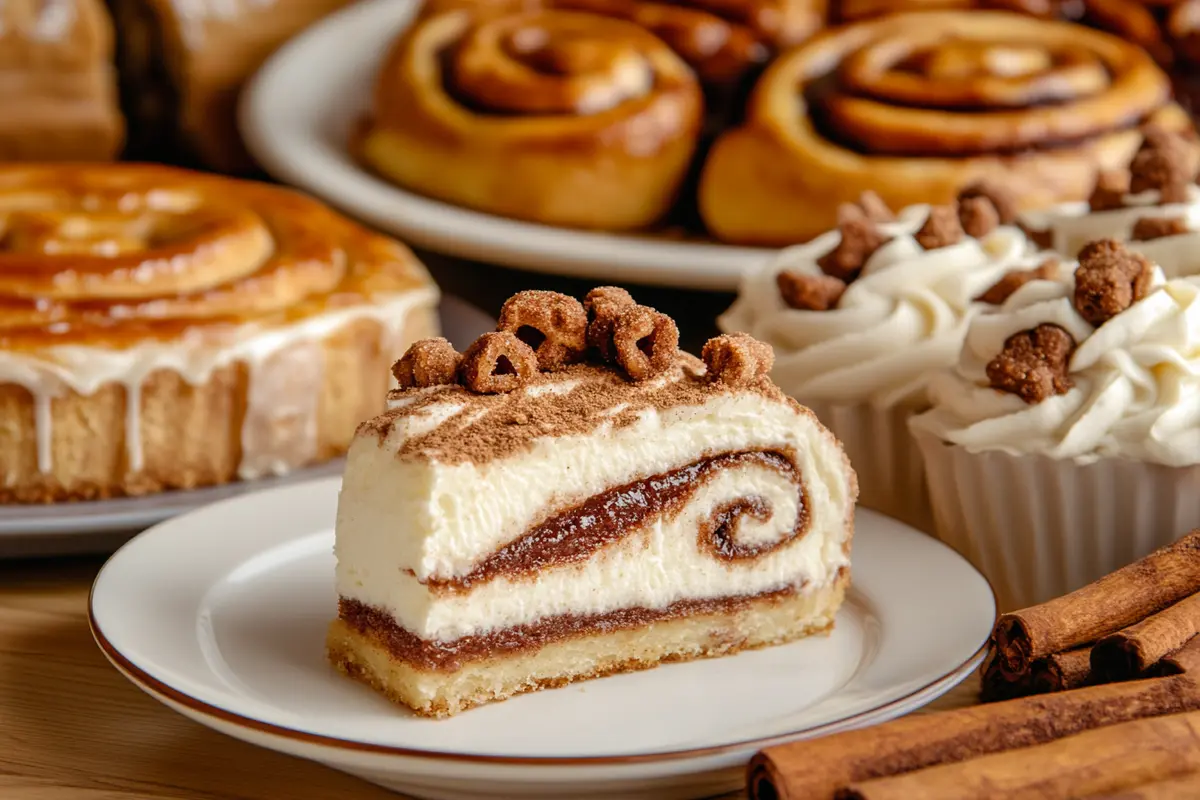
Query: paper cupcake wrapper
(891,474)
(1039,527)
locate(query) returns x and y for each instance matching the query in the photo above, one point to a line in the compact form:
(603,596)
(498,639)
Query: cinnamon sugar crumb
(1149,228)
(1007,286)
(1109,192)
(978,216)
(941,229)
(428,362)
(737,359)
(860,239)
(1109,280)
(1002,199)
(1033,364)
(809,292)
(1166,162)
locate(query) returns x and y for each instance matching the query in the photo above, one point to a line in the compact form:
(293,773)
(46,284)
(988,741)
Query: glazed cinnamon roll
(164,329)
(854,10)
(918,106)
(58,89)
(553,116)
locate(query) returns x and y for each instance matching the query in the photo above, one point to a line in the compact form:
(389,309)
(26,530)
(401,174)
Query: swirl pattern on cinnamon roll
(916,106)
(552,116)
(161,328)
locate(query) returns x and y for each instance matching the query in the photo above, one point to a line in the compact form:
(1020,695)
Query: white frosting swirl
(1137,381)
(902,320)
(1072,225)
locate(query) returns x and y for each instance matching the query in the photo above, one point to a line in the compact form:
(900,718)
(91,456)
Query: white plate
(221,615)
(102,525)
(296,116)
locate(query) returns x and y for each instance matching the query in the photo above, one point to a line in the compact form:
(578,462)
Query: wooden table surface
(72,728)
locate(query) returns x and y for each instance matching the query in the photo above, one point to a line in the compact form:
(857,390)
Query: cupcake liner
(1039,527)
(891,474)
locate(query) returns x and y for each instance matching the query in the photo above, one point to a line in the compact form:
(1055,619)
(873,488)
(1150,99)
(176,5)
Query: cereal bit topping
(860,238)
(1007,286)
(1033,364)
(737,359)
(646,342)
(1148,228)
(1166,162)
(603,305)
(552,324)
(428,362)
(496,363)
(1109,192)
(1042,239)
(809,292)
(875,209)
(978,216)
(1001,197)
(941,228)
(1109,280)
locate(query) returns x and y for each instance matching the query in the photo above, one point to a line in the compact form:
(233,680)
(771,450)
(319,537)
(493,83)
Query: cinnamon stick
(1184,660)
(1107,759)
(815,769)
(1184,788)
(1129,653)
(1116,601)
(1054,673)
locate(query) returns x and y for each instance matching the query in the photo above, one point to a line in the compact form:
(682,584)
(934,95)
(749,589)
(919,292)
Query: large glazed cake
(574,497)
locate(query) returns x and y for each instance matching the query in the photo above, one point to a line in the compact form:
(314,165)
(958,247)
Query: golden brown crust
(177,329)
(58,90)
(598,135)
(836,116)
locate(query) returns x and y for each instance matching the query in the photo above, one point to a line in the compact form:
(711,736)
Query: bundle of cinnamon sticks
(1137,739)
(1132,623)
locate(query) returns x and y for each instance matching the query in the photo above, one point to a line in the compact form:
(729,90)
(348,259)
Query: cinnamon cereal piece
(603,305)
(809,292)
(1001,197)
(1149,228)
(1033,364)
(737,359)
(496,363)
(1109,192)
(1109,280)
(646,342)
(1166,162)
(941,229)
(1007,286)
(1041,239)
(554,325)
(874,208)
(428,362)
(860,238)
(978,216)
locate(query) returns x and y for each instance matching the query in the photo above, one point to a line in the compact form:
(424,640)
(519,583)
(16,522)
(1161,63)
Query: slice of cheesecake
(574,497)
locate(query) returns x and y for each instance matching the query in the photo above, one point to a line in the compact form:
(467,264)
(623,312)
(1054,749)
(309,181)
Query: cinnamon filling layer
(435,655)
(574,535)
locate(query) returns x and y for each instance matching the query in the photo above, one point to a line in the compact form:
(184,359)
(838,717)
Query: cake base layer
(761,622)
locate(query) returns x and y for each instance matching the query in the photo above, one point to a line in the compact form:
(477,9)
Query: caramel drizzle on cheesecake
(575,534)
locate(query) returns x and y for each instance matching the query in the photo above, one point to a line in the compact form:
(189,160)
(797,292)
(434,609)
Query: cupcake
(862,316)
(1153,207)
(1065,443)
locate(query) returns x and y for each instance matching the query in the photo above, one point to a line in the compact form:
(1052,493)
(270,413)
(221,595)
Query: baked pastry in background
(560,117)
(183,63)
(1152,206)
(527,516)
(863,316)
(842,11)
(58,89)
(1067,434)
(916,106)
(1168,29)
(165,329)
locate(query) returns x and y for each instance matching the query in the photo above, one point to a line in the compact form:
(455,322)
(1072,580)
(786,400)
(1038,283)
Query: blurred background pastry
(58,88)
(165,329)
(183,63)
(560,117)
(916,106)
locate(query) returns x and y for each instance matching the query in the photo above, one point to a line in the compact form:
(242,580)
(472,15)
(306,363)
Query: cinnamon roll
(58,90)
(917,106)
(560,117)
(853,10)
(165,329)
(183,63)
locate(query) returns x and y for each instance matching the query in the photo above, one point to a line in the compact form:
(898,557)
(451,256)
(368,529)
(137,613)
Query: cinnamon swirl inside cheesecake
(521,518)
